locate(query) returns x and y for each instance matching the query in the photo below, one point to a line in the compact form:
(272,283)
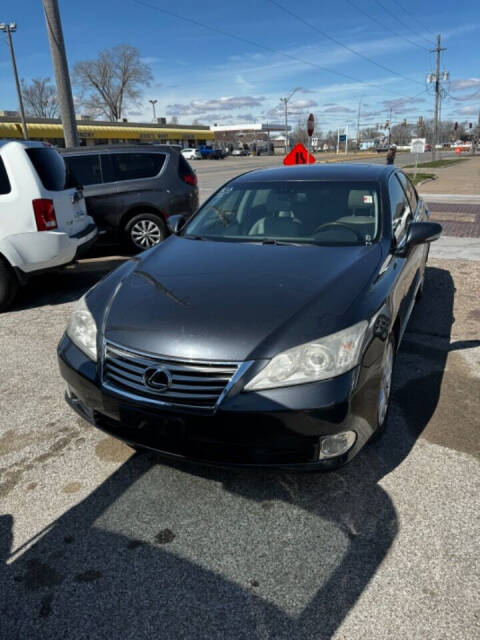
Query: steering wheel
(225,217)
(342,226)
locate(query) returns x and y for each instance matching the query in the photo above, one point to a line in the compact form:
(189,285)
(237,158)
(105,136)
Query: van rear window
(50,167)
(4,181)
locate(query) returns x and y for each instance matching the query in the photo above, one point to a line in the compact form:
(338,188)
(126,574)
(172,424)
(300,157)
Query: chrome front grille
(193,383)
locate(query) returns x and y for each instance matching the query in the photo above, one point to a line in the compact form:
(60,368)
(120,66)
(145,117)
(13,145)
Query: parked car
(43,223)
(191,154)
(239,152)
(264,330)
(131,190)
(211,153)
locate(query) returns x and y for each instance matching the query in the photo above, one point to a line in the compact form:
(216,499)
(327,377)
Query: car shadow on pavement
(65,285)
(184,551)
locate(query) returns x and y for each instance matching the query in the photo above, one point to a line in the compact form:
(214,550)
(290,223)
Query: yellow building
(91,132)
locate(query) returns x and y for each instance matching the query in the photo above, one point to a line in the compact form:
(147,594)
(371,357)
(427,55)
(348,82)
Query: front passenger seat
(280,221)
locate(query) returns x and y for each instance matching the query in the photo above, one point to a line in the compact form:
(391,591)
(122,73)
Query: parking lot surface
(96,541)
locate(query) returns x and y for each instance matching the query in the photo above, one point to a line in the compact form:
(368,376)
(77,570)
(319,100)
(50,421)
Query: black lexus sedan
(264,330)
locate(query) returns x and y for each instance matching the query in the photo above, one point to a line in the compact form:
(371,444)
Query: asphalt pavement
(97,542)
(214,173)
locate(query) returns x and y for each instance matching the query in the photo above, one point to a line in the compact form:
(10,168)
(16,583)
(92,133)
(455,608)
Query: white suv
(191,154)
(43,223)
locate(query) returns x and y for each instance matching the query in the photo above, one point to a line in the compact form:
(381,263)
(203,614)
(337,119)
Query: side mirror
(175,223)
(420,233)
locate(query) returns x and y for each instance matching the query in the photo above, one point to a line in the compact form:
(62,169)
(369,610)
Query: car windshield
(290,212)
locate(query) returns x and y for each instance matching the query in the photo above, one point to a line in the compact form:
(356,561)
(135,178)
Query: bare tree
(112,83)
(40,98)
(299,134)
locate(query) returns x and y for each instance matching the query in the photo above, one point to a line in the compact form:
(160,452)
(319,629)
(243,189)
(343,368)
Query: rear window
(4,181)
(134,166)
(85,169)
(49,166)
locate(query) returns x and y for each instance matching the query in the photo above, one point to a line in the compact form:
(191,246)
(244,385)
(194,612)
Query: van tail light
(190,178)
(44,214)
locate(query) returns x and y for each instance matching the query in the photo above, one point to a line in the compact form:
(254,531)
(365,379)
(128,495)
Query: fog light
(336,445)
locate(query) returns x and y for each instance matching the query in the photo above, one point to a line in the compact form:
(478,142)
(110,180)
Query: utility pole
(153,102)
(358,124)
(9,29)
(285,102)
(437,51)
(62,76)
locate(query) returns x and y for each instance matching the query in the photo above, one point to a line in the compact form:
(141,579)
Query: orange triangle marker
(298,155)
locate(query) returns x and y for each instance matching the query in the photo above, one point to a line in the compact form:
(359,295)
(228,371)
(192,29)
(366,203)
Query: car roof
(337,171)
(25,143)
(150,148)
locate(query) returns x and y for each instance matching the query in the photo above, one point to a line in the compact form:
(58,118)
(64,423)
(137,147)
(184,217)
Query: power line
(415,18)
(341,44)
(401,22)
(262,46)
(385,28)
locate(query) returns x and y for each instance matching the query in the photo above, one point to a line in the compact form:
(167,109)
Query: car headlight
(317,360)
(82,329)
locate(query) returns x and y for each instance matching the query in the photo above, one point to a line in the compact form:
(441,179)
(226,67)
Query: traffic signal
(404,123)
(387,124)
(470,125)
(456,126)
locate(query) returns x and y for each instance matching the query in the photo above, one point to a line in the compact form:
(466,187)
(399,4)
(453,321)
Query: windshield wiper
(281,243)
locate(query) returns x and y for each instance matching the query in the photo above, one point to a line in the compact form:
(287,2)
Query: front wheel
(145,230)
(8,285)
(385,391)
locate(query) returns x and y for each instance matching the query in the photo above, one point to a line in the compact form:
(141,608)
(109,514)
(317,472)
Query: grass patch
(420,177)
(436,163)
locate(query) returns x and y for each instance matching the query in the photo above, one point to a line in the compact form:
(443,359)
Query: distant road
(213,173)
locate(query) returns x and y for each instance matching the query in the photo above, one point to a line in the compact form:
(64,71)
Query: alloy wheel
(145,234)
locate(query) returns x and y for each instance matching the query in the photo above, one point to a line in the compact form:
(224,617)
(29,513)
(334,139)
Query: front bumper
(275,428)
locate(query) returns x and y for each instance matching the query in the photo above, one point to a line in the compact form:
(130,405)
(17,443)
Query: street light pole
(62,76)
(154,102)
(9,29)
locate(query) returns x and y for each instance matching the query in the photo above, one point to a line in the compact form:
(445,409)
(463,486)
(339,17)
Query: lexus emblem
(157,379)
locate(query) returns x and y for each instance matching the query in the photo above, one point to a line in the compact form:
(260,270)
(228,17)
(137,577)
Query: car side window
(400,209)
(4,181)
(409,190)
(85,169)
(134,166)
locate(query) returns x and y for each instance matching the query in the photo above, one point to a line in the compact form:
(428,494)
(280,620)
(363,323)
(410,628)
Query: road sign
(298,155)
(310,124)
(342,137)
(417,145)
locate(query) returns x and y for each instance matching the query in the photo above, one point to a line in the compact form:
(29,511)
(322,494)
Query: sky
(231,61)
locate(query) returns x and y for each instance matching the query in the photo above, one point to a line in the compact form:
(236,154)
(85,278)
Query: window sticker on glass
(367,199)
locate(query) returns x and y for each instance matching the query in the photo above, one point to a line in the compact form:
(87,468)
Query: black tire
(143,231)
(8,285)
(382,410)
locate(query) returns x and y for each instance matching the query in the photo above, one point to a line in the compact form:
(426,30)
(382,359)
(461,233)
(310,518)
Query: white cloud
(399,105)
(338,109)
(468,111)
(466,83)
(219,104)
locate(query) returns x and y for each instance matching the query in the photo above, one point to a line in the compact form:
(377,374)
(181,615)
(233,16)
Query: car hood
(236,301)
